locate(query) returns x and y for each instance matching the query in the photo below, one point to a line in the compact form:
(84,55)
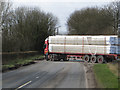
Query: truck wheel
(46,57)
(50,57)
(100,59)
(65,59)
(53,57)
(93,59)
(86,58)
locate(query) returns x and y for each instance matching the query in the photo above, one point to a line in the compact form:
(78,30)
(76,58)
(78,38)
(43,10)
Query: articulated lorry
(88,48)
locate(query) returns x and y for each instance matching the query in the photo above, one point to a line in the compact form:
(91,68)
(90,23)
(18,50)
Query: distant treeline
(94,20)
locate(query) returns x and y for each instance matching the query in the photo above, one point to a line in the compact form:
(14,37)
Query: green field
(105,77)
(20,62)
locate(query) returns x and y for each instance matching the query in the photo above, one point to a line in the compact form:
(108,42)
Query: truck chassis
(97,58)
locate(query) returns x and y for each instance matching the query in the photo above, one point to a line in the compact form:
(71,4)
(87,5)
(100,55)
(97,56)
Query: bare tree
(27,28)
(5,7)
(112,9)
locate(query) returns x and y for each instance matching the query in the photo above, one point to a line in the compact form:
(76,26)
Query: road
(46,74)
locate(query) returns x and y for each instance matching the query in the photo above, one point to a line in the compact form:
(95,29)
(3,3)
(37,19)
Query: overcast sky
(60,8)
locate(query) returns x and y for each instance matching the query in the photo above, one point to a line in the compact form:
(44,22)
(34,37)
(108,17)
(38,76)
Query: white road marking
(23,85)
(37,77)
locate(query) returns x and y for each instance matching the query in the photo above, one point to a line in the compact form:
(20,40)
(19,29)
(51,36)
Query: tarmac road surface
(46,74)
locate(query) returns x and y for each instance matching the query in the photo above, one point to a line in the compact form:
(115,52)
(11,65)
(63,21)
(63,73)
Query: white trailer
(89,48)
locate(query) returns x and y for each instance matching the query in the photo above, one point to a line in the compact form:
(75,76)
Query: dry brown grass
(113,67)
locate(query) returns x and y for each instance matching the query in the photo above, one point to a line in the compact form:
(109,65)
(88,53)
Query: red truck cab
(46,49)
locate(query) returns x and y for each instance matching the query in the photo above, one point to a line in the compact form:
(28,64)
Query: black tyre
(86,58)
(65,58)
(52,57)
(100,59)
(46,57)
(93,59)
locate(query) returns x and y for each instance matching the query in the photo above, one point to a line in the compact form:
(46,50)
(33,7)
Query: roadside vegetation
(106,75)
(113,67)
(16,63)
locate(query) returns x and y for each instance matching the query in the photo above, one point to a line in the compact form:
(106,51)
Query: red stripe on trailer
(82,53)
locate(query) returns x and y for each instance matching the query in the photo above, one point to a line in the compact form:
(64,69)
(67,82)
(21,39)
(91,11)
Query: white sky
(63,0)
(60,8)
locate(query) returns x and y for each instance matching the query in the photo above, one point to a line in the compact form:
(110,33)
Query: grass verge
(113,67)
(105,77)
(12,64)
